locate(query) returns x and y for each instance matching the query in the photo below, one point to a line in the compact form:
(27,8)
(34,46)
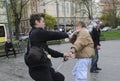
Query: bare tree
(112,7)
(86,6)
(16,6)
(89,7)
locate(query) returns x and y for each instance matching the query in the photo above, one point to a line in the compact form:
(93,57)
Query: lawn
(113,34)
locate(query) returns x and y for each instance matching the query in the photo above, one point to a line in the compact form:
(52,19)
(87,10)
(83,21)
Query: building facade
(3,15)
(67,12)
(110,5)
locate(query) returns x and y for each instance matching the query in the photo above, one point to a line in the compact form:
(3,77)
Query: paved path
(14,69)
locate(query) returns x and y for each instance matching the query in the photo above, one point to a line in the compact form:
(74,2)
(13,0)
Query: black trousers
(8,50)
(46,74)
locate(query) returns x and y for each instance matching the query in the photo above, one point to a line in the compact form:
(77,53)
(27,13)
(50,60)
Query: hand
(70,36)
(98,47)
(66,40)
(67,54)
(11,49)
(72,51)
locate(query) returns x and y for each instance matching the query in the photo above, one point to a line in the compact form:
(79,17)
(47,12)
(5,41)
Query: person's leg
(96,52)
(14,52)
(80,70)
(56,76)
(6,51)
(97,57)
(42,74)
(94,62)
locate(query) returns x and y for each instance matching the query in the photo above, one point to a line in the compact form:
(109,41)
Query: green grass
(113,34)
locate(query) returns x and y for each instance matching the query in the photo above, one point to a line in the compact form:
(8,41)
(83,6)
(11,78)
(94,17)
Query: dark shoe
(95,71)
(98,68)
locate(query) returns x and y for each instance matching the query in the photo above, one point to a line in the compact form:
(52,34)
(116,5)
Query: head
(37,20)
(98,24)
(80,25)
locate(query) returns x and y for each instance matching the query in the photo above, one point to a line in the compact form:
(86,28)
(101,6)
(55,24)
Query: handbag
(35,56)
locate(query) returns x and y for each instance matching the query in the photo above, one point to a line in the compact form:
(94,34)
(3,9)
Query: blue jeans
(94,60)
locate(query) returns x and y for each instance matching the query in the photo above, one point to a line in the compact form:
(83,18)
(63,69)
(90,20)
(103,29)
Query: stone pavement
(14,69)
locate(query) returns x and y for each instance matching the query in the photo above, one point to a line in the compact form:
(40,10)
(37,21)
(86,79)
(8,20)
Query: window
(2,31)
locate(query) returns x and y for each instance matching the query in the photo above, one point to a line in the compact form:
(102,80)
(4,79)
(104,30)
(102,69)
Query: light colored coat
(84,46)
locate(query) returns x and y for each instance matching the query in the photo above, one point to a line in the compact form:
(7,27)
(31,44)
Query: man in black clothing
(9,47)
(38,36)
(95,33)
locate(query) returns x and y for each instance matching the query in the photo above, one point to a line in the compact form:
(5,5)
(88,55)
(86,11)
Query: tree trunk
(17,31)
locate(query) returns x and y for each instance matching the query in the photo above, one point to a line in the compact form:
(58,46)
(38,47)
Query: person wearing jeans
(95,33)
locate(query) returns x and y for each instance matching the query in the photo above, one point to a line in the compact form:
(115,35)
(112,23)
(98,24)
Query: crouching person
(9,47)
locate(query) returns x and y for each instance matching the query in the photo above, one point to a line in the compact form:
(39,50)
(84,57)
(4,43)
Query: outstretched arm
(56,54)
(52,35)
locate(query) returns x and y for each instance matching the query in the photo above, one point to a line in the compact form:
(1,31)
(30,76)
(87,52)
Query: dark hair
(81,23)
(34,17)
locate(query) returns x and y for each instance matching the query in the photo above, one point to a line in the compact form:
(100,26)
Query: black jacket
(8,45)
(39,37)
(96,36)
